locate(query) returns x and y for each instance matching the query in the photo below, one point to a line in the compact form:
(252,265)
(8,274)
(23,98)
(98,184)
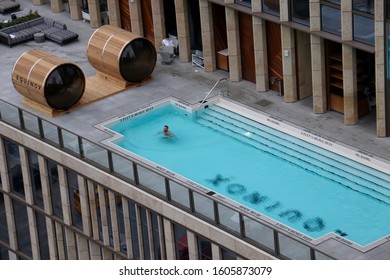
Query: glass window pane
(156,236)
(35,178)
(365,6)
(179,194)
(9,114)
(259,233)
(71,141)
(247,3)
(292,249)
(337,2)
(50,132)
(54,188)
(4,253)
(123,166)
(363,29)
(145,233)
(181,242)
(74,197)
(228,255)
(151,180)
(204,206)
(300,11)
(94,153)
(229,218)
(330,20)
(204,249)
(3,221)
(134,230)
(30,123)
(42,236)
(271,7)
(14,167)
(121,223)
(22,228)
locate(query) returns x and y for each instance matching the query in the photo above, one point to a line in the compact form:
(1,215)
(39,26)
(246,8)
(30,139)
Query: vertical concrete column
(158,22)
(38,2)
(75,9)
(380,71)
(139,233)
(64,196)
(346,20)
(234,49)
(284,10)
(128,237)
(256,6)
(52,239)
(92,207)
(288,59)
(3,169)
(57,6)
(136,17)
(44,174)
(33,229)
(94,13)
(260,46)
(161,237)
(206,23)
(82,247)
(28,194)
(183,31)
(318,71)
(350,86)
(107,254)
(150,234)
(216,252)
(60,241)
(86,217)
(315,15)
(70,244)
(114,13)
(169,239)
(94,251)
(192,246)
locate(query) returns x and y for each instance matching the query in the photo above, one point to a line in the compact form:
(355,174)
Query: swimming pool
(297,178)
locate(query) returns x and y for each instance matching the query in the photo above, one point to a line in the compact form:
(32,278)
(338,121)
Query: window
(204,249)
(74,197)
(22,228)
(156,236)
(365,6)
(331,19)
(181,243)
(35,178)
(3,221)
(121,224)
(228,255)
(363,29)
(14,167)
(42,236)
(54,188)
(145,233)
(134,230)
(271,7)
(247,3)
(300,11)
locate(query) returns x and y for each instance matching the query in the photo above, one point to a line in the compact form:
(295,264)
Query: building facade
(59,202)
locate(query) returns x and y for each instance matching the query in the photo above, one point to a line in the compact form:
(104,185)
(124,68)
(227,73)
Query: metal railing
(208,93)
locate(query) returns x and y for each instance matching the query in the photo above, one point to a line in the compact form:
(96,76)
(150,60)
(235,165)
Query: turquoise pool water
(287,179)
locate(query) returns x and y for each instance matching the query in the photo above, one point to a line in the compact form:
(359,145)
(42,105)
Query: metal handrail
(207,95)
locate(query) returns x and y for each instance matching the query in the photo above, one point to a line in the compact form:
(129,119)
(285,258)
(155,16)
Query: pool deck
(189,84)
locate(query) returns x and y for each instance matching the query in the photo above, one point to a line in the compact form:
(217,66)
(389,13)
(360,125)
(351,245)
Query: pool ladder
(208,93)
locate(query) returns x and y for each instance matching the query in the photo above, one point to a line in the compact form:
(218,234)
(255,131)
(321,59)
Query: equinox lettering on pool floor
(315,224)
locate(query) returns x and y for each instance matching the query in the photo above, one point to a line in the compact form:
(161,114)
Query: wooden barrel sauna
(121,54)
(48,79)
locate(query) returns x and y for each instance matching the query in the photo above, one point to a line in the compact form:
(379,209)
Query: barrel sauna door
(274,49)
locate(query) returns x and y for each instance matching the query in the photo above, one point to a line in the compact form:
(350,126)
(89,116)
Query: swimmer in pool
(167,132)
